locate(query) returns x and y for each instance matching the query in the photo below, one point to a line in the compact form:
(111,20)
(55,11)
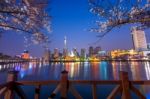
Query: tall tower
(65,42)
(139,39)
(65,52)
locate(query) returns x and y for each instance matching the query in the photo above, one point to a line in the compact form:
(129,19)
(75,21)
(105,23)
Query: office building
(148,46)
(139,39)
(56,53)
(47,55)
(83,53)
(65,52)
(75,52)
(97,50)
(91,51)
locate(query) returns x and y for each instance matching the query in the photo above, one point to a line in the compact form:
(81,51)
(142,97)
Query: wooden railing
(64,86)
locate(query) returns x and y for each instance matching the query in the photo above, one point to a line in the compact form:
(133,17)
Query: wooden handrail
(4,85)
(106,82)
(124,85)
(95,81)
(36,83)
(141,82)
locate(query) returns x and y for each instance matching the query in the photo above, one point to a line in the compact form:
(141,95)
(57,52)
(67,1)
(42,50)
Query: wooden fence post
(11,77)
(37,92)
(125,85)
(64,84)
(94,91)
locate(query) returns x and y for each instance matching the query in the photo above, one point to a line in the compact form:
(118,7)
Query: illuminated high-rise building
(97,50)
(148,46)
(65,51)
(65,42)
(83,53)
(139,39)
(91,51)
(75,52)
(47,55)
(56,53)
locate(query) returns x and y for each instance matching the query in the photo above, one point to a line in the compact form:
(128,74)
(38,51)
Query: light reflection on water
(80,71)
(147,70)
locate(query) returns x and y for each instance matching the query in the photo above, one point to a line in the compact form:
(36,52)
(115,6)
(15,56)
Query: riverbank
(124,60)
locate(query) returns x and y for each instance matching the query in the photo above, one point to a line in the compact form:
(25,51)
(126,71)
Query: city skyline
(74,21)
(83,49)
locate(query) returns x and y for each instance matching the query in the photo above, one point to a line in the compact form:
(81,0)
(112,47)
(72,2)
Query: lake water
(79,71)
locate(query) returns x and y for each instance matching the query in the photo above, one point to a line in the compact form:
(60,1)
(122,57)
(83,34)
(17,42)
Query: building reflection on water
(80,71)
(115,69)
(147,70)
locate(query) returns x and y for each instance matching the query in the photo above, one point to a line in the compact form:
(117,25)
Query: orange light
(25,56)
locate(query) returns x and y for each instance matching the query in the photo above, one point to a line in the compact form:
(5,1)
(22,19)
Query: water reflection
(135,70)
(74,69)
(80,71)
(86,72)
(115,69)
(103,70)
(147,70)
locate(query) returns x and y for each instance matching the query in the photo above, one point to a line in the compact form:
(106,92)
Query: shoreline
(138,60)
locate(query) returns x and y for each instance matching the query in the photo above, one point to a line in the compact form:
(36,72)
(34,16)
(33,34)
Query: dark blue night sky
(70,18)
